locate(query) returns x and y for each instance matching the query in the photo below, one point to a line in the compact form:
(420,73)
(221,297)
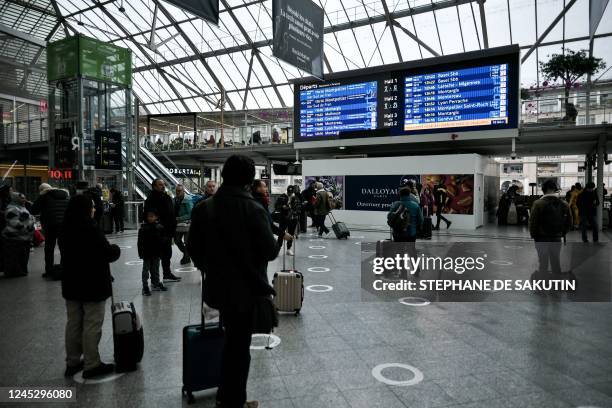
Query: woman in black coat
(86,284)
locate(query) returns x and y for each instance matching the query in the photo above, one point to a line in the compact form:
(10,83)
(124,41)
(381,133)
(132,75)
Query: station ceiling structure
(185,64)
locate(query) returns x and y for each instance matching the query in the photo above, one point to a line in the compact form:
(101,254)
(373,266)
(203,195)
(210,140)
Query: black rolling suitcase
(128,336)
(427,227)
(107,223)
(340,228)
(202,357)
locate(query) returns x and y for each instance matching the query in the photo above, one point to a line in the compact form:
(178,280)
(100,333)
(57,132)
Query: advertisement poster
(374,193)
(298,34)
(460,191)
(332,184)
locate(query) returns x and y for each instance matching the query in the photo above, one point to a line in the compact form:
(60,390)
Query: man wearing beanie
(51,205)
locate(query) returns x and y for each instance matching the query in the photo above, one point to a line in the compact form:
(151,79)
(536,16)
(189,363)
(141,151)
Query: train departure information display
(329,110)
(460,93)
(465,97)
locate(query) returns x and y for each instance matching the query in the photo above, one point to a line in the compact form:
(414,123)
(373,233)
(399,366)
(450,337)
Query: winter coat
(232,246)
(587,203)
(86,257)
(150,240)
(19,223)
(416,215)
(164,206)
(183,208)
(51,206)
(322,206)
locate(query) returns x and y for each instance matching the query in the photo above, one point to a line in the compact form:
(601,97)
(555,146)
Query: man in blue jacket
(409,208)
(182,211)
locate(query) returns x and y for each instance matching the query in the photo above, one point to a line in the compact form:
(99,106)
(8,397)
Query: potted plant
(570,68)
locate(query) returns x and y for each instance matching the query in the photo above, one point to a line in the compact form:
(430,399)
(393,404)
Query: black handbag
(265,315)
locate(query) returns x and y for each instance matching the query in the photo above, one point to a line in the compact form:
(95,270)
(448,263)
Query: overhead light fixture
(342,147)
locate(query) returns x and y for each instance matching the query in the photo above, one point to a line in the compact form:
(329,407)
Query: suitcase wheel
(297,311)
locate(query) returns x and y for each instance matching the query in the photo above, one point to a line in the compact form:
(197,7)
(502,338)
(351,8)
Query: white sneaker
(290,252)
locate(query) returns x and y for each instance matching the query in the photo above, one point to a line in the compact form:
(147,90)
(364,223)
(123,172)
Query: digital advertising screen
(468,92)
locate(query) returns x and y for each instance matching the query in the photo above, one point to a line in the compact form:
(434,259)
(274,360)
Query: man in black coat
(231,241)
(587,203)
(51,205)
(159,200)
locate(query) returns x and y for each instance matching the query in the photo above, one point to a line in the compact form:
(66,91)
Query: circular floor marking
(377,373)
(474,251)
(414,301)
(316,247)
(124,246)
(275,341)
(501,263)
(358,237)
(358,243)
(186,269)
(317,256)
(316,240)
(134,263)
(318,269)
(107,378)
(513,247)
(319,288)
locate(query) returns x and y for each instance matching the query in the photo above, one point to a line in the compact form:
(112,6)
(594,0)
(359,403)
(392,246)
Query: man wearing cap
(549,221)
(51,205)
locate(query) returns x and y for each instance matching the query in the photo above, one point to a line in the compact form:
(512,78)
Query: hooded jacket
(163,205)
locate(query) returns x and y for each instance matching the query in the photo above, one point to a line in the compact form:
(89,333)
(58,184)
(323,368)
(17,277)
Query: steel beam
(194,49)
(39,69)
(250,42)
(327,30)
(548,30)
(390,24)
(22,36)
(248,81)
(415,38)
(483,23)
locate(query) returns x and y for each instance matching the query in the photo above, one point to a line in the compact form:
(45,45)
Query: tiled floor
(522,354)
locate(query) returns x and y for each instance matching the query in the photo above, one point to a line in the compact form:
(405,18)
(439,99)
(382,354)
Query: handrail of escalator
(149,156)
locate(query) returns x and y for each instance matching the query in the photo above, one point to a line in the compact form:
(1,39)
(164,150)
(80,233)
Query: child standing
(149,247)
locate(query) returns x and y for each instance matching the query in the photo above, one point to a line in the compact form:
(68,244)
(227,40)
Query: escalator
(148,170)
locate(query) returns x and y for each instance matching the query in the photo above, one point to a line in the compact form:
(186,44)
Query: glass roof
(182,63)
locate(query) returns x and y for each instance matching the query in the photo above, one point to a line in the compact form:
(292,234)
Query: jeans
(150,266)
(83,332)
(289,227)
(232,392)
(51,234)
(440,217)
(549,252)
(179,240)
(585,220)
(166,256)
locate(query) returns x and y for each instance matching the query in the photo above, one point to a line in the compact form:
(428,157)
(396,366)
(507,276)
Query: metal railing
(550,110)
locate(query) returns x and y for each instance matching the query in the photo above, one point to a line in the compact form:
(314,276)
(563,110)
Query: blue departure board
(466,92)
(328,110)
(475,96)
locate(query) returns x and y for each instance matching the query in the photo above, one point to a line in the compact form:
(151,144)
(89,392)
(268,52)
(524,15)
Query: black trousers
(179,240)
(16,255)
(439,216)
(166,256)
(232,392)
(118,219)
(289,226)
(320,224)
(51,235)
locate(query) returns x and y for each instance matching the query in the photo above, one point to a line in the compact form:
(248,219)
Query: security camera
(513,155)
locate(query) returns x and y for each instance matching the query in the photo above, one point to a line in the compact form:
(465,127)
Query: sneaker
(102,369)
(146,291)
(171,278)
(185,260)
(251,404)
(159,287)
(448,224)
(290,252)
(72,370)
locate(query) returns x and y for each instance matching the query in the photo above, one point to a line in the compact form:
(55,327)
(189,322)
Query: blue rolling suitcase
(202,357)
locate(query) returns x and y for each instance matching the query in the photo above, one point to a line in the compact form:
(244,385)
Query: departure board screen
(465,97)
(447,94)
(329,110)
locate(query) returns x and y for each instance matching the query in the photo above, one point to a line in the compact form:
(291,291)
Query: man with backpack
(549,222)
(404,218)
(587,203)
